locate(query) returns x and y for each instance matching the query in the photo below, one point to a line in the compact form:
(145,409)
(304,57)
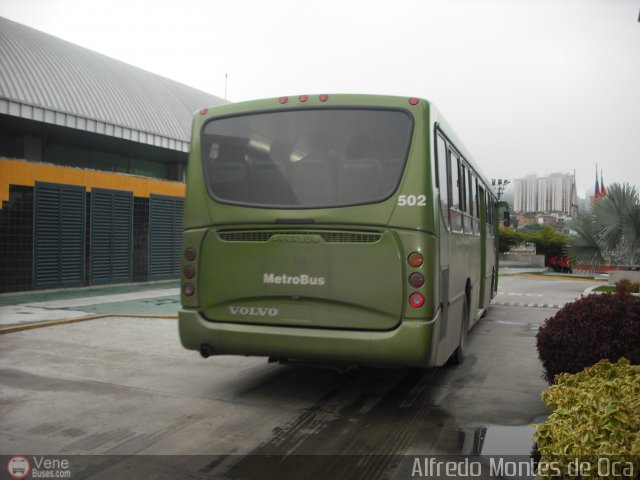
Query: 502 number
(412,201)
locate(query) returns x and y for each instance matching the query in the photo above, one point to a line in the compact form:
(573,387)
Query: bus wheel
(493,280)
(458,355)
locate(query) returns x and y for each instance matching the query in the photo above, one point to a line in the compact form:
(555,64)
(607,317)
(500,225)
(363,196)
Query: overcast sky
(530,86)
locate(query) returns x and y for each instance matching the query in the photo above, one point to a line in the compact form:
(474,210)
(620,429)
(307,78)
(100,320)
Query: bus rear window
(306,158)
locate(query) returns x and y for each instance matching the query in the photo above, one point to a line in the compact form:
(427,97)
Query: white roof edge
(76,122)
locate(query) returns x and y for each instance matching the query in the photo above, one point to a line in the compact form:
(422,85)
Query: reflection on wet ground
(379,419)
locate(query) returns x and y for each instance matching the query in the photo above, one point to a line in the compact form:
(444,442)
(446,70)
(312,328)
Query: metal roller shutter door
(59,235)
(165,236)
(111,236)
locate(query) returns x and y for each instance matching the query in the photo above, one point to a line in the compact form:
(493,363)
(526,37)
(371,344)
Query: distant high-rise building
(543,200)
(555,193)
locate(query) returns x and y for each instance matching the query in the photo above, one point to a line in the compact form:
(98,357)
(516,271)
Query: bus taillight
(190,254)
(188,290)
(415,259)
(416,280)
(189,272)
(303,98)
(414,101)
(324,97)
(416,300)
(283,100)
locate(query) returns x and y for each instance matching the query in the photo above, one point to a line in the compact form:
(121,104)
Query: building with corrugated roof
(93,154)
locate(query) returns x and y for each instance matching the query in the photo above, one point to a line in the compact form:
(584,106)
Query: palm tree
(610,233)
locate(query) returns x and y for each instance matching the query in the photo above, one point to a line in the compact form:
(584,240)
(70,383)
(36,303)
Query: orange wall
(21,172)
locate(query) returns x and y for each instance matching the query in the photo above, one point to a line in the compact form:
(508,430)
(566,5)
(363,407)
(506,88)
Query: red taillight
(204,111)
(190,254)
(303,98)
(416,300)
(324,97)
(416,280)
(283,100)
(189,272)
(188,290)
(415,259)
(414,101)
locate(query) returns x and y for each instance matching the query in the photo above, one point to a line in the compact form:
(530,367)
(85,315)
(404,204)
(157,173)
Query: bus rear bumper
(410,344)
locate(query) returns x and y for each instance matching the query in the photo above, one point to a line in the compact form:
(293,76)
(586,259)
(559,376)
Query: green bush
(588,330)
(595,421)
(625,285)
(548,242)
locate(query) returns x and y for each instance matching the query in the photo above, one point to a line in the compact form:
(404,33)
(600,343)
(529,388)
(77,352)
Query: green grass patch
(605,288)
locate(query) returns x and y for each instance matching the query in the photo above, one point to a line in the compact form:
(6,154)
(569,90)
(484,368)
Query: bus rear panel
(310,232)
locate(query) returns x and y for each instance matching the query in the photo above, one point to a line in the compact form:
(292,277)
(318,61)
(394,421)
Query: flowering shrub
(627,286)
(594,424)
(593,328)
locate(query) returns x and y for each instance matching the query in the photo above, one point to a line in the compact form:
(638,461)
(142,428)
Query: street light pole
(500,185)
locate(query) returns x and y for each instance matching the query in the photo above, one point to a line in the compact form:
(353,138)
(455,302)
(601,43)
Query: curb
(590,290)
(557,277)
(53,323)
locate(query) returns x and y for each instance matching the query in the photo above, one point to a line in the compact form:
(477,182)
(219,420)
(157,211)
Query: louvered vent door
(165,236)
(59,235)
(111,236)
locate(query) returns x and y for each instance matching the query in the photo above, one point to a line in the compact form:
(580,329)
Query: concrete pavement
(123,386)
(120,390)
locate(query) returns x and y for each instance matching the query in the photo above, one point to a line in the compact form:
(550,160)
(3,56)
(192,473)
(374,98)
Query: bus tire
(458,356)
(493,280)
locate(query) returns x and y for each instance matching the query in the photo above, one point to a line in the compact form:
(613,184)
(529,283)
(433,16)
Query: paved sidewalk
(149,299)
(576,275)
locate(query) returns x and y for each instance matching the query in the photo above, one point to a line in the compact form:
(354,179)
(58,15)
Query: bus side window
(442,178)
(474,204)
(463,187)
(466,197)
(472,194)
(455,214)
(455,181)
(478,193)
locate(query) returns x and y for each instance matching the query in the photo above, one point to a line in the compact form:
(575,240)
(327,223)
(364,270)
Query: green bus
(346,229)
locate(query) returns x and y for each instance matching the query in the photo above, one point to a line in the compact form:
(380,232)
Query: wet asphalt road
(124,386)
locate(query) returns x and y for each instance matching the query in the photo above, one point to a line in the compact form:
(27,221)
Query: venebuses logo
(18,467)
(39,467)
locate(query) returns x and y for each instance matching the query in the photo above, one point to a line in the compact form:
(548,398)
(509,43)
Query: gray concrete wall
(616,275)
(521,260)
